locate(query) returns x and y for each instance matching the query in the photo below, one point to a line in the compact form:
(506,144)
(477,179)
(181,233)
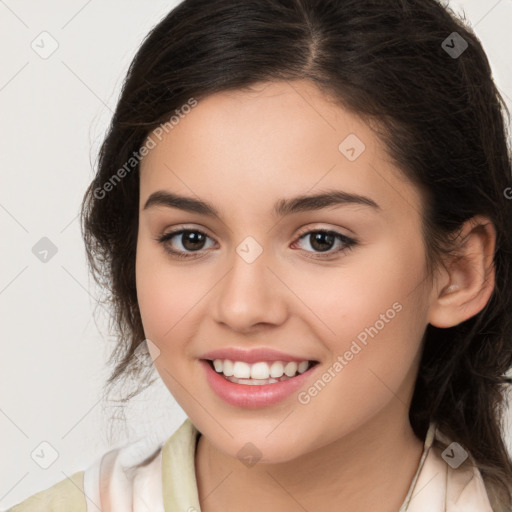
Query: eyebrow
(281,208)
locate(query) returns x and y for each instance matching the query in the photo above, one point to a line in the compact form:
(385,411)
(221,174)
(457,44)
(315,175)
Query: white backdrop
(62,65)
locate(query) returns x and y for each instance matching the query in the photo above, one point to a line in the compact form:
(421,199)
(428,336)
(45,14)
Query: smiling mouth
(291,372)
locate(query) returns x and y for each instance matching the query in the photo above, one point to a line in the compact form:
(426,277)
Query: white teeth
(290,369)
(241,370)
(251,382)
(276,370)
(260,370)
(303,366)
(226,367)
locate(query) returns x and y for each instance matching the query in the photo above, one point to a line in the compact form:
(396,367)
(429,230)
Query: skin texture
(242,151)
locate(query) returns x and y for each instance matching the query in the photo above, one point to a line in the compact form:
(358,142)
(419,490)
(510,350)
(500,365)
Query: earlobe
(470,275)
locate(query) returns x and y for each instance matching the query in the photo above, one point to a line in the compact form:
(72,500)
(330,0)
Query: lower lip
(243,395)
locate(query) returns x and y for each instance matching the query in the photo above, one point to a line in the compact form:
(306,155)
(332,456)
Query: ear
(467,280)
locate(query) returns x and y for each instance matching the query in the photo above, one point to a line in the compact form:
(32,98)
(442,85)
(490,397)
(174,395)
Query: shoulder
(114,478)
(465,488)
(66,495)
(126,478)
(147,474)
(450,480)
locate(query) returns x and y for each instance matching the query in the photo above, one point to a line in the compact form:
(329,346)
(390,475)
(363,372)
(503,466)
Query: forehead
(273,140)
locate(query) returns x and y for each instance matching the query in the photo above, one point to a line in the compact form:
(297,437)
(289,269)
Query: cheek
(372,314)
(376,281)
(166,297)
(372,360)
(162,293)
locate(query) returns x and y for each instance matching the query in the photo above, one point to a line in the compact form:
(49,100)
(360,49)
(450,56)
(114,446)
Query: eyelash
(348,242)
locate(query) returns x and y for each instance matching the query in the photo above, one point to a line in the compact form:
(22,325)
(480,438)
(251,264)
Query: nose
(250,295)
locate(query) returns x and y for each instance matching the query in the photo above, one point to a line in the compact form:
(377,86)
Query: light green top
(65,496)
(167,481)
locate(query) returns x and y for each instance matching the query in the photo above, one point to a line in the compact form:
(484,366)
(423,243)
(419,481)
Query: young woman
(303,213)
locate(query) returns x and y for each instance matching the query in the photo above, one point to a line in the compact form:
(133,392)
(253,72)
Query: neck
(359,470)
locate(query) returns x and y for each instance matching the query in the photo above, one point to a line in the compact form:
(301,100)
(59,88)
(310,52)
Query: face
(342,284)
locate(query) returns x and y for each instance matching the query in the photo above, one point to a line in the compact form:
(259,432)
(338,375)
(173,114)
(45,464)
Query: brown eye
(323,241)
(190,240)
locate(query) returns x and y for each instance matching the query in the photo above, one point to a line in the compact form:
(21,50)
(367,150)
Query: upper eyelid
(308,230)
(302,232)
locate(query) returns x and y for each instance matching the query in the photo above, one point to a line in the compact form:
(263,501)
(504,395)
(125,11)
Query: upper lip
(252,356)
